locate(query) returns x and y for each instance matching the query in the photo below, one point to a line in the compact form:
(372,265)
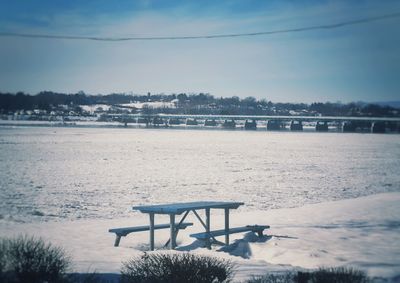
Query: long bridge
(252,122)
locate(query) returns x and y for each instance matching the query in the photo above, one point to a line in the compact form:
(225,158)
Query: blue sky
(353,63)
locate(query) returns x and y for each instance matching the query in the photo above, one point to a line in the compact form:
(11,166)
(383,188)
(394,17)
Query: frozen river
(71,173)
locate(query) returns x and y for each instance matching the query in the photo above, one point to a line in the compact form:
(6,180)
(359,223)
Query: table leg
(226,226)
(208,242)
(172,243)
(207,220)
(151,231)
(177,228)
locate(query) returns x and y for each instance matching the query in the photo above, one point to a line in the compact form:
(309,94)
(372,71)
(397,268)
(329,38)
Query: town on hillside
(177,108)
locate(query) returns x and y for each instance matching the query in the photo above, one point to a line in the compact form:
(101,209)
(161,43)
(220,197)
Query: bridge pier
(296,125)
(378,128)
(393,126)
(173,121)
(356,126)
(142,120)
(275,125)
(210,123)
(250,125)
(191,122)
(321,126)
(157,121)
(349,127)
(229,124)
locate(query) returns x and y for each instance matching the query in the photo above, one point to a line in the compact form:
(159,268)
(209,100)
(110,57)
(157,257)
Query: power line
(301,29)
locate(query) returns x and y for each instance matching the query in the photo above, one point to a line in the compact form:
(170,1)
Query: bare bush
(30,260)
(322,275)
(183,267)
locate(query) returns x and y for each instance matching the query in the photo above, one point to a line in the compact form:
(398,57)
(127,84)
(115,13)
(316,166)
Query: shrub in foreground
(30,260)
(176,268)
(323,275)
(274,278)
(338,275)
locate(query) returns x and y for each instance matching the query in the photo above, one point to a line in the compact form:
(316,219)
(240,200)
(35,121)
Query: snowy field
(331,199)
(363,233)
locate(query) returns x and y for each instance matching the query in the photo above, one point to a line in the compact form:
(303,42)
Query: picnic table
(174,209)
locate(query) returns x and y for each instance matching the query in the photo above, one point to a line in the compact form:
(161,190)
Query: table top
(179,208)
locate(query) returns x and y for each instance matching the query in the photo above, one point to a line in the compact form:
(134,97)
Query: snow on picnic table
(362,233)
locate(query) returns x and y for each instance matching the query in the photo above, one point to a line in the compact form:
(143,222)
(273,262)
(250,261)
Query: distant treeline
(201,103)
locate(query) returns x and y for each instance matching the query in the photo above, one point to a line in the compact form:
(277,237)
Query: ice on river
(73,173)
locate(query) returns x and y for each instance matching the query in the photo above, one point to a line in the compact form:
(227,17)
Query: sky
(352,63)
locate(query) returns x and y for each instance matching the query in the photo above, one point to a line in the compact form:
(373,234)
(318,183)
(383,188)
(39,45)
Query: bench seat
(122,232)
(249,228)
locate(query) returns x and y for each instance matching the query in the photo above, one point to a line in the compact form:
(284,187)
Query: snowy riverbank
(362,232)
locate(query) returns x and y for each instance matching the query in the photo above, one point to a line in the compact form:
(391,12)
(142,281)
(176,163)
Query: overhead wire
(212,36)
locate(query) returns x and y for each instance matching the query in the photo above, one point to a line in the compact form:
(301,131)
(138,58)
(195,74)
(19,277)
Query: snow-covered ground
(362,232)
(71,184)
